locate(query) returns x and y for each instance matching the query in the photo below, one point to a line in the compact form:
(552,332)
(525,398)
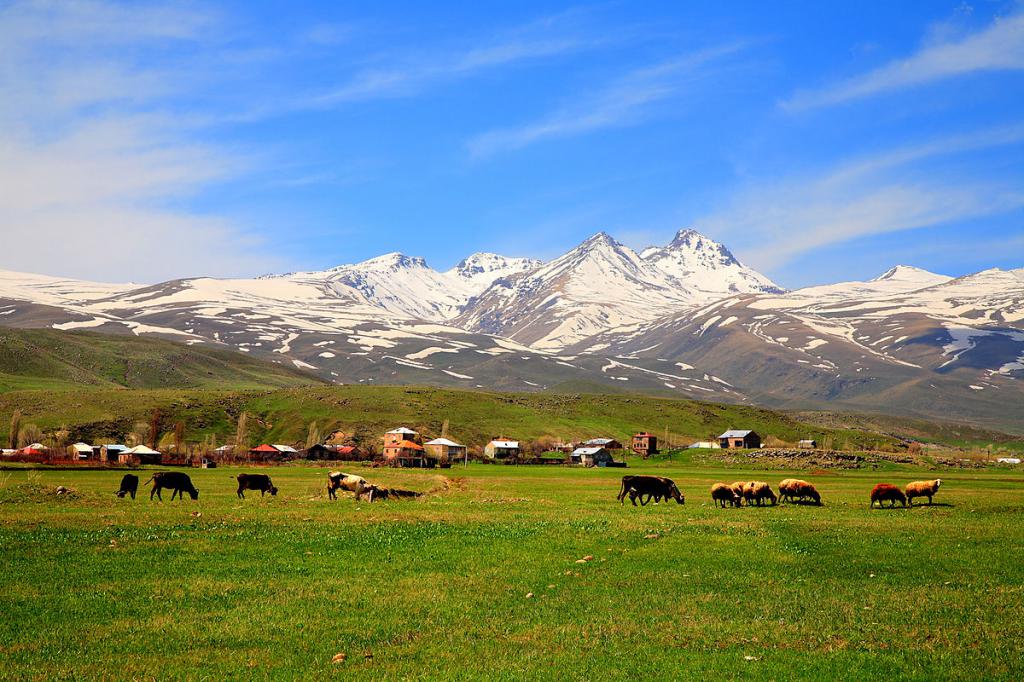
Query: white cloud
(94,161)
(549,37)
(783,219)
(999,47)
(623,102)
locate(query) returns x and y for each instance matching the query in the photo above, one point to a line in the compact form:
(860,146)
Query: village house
(445,451)
(264,452)
(705,444)
(606,443)
(395,439)
(348,453)
(591,456)
(645,444)
(285,450)
(408,454)
(500,448)
(740,439)
(807,444)
(82,451)
(140,454)
(111,452)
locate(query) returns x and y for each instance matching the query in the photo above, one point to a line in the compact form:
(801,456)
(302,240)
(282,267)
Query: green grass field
(436,588)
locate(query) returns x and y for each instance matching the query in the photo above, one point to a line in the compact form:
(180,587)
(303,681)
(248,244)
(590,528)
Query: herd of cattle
(642,488)
(658,488)
(180,483)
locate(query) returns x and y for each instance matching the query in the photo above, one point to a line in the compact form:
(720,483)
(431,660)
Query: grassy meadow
(437,588)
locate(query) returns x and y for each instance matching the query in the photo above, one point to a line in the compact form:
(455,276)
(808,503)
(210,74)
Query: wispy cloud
(998,47)
(623,102)
(545,38)
(96,163)
(867,196)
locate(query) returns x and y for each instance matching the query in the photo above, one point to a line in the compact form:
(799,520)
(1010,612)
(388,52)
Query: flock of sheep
(657,488)
(642,488)
(795,490)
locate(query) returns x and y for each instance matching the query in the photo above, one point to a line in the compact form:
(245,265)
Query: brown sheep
(722,493)
(922,489)
(758,491)
(887,492)
(784,488)
(795,490)
(737,487)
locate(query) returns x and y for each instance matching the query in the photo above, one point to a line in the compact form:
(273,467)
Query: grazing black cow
(129,485)
(259,482)
(172,480)
(647,487)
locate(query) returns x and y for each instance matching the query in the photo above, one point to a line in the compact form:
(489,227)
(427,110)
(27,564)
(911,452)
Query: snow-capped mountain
(599,285)
(908,341)
(706,266)
(686,319)
(602,285)
(480,270)
(405,285)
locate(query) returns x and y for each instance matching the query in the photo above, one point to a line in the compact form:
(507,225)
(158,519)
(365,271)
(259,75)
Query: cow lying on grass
(922,489)
(129,485)
(388,493)
(259,482)
(648,487)
(172,480)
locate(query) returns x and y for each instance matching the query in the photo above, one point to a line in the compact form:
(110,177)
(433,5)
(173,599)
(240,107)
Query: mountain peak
(393,260)
(601,237)
(488,266)
(909,273)
(691,240)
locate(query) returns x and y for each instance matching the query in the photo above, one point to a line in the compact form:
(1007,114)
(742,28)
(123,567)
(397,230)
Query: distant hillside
(42,358)
(284,416)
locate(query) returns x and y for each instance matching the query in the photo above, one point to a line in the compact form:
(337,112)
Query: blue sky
(818,141)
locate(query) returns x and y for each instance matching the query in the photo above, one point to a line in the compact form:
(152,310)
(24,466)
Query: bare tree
(12,437)
(312,435)
(59,439)
(242,433)
(154,428)
(139,434)
(28,434)
(179,437)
